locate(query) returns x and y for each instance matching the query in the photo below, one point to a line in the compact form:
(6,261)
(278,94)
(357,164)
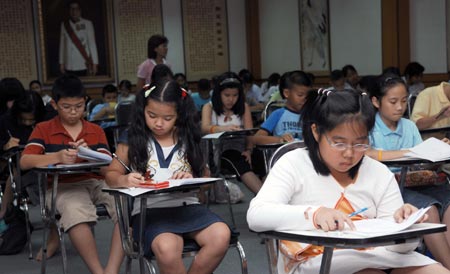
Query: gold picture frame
(49,22)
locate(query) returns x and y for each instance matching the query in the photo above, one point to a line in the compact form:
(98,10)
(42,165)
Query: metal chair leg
(272,248)
(230,208)
(241,252)
(63,248)
(128,265)
(27,224)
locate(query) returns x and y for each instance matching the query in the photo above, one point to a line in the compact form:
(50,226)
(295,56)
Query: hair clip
(388,79)
(229,80)
(148,90)
(183,93)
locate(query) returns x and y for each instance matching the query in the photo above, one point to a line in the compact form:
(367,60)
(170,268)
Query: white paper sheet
(172,183)
(431,149)
(371,226)
(92,155)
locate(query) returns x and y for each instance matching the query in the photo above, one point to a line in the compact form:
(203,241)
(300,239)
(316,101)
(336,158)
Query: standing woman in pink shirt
(156,53)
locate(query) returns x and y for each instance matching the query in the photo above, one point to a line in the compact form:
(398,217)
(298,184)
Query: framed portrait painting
(315,36)
(76,37)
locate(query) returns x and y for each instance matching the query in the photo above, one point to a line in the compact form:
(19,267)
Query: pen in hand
(121,162)
(357,212)
(9,133)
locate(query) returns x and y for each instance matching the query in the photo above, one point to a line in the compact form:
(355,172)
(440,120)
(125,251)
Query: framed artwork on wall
(315,36)
(76,37)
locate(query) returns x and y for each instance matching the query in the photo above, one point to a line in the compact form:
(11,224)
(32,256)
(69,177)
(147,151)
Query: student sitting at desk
(107,109)
(57,141)
(164,138)
(228,111)
(432,107)
(390,138)
(283,125)
(15,129)
(318,187)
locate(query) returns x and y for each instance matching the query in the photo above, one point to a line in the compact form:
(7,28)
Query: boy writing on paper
(318,187)
(57,141)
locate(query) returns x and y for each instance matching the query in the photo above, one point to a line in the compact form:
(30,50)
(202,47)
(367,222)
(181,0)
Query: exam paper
(386,226)
(92,155)
(431,149)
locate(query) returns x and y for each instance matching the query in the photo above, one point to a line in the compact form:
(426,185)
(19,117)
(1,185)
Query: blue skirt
(177,220)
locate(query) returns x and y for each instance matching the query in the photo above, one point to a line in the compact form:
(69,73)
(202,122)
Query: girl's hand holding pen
(329,219)
(133,179)
(12,142)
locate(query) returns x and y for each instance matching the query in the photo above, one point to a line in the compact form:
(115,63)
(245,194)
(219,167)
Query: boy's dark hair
(246,77)
(34,82)
(413,69)
(109,88)
(153,42)
(367,82)
(336,75)
(291,78)
(392,71)
(203,85)
(179,74)
(31,102)
(327,111)
(161,72)
(125,83)
(311,77)
(347,68)
(68,86)
(383,84)
(273,80)
(224,81)
(187,126)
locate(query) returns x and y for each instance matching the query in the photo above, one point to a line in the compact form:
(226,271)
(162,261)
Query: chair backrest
(124,112)
(411,101)
(283,149)
(271,106)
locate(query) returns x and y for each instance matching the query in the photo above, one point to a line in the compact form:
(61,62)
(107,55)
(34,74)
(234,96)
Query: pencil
(357,211)
(9,133)
(121,162)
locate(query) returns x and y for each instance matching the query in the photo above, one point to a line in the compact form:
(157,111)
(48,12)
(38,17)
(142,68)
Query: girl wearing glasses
(320,186)
(390,138)
(163,142)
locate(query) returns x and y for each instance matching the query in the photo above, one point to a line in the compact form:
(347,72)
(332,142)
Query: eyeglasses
(69,108)
(344,146)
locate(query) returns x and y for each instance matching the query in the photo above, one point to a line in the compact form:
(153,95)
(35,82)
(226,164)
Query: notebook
(431,149)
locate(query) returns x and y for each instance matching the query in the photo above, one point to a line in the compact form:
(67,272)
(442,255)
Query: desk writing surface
(354,240)
(223,134)
(174,185)
(69,167)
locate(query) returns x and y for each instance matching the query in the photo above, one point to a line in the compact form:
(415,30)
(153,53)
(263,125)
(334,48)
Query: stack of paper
(431,149)
(92,155)
(379,226)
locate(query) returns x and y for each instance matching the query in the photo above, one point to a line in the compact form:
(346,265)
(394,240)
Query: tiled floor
(255,251)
